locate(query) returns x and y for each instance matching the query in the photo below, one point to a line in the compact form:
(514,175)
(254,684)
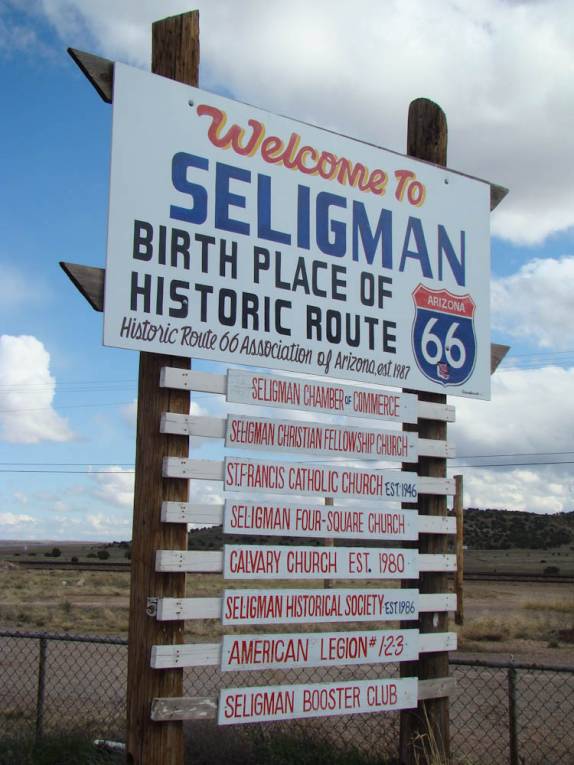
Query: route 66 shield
(443,337)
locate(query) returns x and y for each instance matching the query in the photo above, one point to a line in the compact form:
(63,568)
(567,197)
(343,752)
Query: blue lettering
(384,233)
(303,225)
(224,198)
(264,230)
(325,226)
(445,247)
(180,164)
(421,254)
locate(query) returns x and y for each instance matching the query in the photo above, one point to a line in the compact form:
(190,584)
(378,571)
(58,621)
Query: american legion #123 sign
(240,236)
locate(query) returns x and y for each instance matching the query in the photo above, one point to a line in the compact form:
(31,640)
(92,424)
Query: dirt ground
(85,682)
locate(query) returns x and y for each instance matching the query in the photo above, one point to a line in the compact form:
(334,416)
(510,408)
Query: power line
(465,456)
(84,406)
(65,406)
(511,464)
(129,472)
(511,454)
(73,472)
(68,464)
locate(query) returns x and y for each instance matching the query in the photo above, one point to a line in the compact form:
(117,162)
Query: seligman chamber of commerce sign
(240,236)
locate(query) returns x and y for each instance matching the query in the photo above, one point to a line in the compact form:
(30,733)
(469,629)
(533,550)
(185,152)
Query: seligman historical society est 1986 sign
(240,236)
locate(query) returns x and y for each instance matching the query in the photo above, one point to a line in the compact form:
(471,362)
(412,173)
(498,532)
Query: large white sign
(307,520)
(324,649)
(241,607)
(327,397)
(327,480)
(240,236)
(287,702)
(302,562)
(319,438)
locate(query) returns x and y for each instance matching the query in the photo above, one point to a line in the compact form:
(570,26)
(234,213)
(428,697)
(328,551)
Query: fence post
(41,688)
(512,718)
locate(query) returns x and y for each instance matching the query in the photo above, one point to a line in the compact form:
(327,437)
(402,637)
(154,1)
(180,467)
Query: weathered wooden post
(427,139)
(175,54)
(459,573)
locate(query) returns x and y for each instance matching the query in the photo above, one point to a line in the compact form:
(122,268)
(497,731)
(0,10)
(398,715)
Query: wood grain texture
(175,48)
(88,280)
(99,71)
(148,742)
(497,354)
(459,574)
(205,707)
(427,138)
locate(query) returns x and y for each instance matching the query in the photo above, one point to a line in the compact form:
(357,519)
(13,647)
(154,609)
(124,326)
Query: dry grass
(559,606)
(542,627)
(91,602)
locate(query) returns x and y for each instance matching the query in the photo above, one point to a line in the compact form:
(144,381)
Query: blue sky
(503,74)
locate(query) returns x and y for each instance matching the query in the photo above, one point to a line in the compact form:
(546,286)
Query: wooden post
(175,54)
(424,732)
(328,542)
(459,574)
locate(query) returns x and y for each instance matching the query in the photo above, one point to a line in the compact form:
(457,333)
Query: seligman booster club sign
(240,236)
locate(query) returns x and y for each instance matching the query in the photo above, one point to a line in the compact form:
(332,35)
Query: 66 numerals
(444,346)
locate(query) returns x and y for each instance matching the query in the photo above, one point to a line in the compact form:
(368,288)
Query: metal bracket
(151,607)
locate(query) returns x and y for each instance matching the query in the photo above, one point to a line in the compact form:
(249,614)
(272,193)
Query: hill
(488,529)
(503,529)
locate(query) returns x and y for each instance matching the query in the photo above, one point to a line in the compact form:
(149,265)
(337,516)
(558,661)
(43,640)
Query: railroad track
(480,576)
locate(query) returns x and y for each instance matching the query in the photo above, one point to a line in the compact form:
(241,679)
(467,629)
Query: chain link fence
(501,712)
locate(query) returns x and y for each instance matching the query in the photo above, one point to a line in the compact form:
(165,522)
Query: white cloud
(502,71)
(540,490)
(536,302)
(27,391)
(109,524)
(115,487)
(206,492)
(14,519)
(530,416)
(532,410)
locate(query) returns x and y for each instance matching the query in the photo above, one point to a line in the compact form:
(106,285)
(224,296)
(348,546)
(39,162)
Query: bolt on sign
(249,238)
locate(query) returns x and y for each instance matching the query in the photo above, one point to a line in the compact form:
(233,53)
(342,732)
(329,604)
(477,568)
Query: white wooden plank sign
(208,382)
(210,654)
(283,562)
(326,480)
(242,607)
(320,438)
(326,397)
(307,520)
(261,560)
(309,478)
(288,702)
(324,649)
(277,518)
(265,606)
(287,435)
